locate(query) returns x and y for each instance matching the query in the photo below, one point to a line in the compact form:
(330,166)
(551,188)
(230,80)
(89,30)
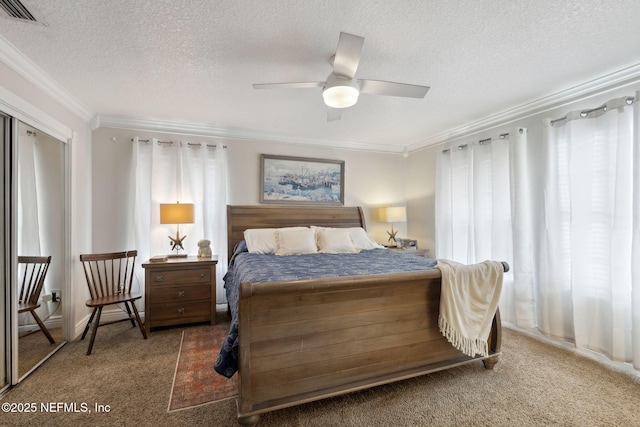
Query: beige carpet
(534,384)
(34,347)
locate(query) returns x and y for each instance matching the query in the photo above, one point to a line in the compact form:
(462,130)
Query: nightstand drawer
(176,312)
(178,293)
(200,275)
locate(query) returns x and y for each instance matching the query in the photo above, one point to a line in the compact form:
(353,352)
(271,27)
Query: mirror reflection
(41,246)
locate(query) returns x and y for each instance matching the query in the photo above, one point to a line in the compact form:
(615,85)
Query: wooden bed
(306,340)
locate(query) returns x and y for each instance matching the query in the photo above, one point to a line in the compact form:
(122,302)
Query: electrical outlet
(55,295)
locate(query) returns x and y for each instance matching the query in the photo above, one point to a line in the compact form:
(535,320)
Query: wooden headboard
(240,218)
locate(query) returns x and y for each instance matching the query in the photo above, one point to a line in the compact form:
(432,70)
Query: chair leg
(126,305)
(95,329)
(42,327)
(86,328)
(135,311)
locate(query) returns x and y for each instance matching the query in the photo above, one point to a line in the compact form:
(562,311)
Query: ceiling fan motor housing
(340,91)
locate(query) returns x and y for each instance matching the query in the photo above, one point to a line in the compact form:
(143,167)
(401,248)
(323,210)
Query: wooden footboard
(307,340)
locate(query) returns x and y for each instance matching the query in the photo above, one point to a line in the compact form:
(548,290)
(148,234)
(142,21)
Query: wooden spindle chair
(109,278)
(33,270)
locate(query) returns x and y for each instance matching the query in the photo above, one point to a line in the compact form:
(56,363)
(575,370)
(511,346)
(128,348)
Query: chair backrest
(32,271)
(109,273)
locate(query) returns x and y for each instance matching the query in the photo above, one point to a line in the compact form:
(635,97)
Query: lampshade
(394,214)
(176,213)
(340,92)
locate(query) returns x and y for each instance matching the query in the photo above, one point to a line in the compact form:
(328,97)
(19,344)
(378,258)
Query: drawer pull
(202,275)
(180,294)
(159,278)
(181,311)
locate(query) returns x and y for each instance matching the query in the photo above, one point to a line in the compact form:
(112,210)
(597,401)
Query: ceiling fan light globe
(340,96)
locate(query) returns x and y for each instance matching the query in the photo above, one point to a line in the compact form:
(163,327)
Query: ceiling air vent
(15,9)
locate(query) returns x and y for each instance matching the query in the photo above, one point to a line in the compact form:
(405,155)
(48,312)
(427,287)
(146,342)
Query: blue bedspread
(256,268)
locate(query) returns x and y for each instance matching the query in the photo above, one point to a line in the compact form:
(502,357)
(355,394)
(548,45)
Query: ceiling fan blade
(298,85)
(347,57)
(334,114)
(379,87)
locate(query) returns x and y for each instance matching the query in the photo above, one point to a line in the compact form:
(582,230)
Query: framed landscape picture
(301,180)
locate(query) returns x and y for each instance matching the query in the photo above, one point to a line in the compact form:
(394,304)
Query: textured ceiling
(193,62)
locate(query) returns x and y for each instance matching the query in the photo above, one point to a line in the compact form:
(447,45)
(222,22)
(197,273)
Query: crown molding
(615,80)
(15,106)
(22,65)
(234,134)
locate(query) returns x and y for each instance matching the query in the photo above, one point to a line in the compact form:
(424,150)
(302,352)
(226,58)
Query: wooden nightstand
(416,252)
(179,291)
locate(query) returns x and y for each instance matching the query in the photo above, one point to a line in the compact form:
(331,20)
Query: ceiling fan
(341,89)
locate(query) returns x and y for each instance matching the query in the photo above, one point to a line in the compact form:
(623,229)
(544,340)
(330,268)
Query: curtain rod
(148,141)
(488,140)
(199,145)
(484,141)
(190,144)
(613,104)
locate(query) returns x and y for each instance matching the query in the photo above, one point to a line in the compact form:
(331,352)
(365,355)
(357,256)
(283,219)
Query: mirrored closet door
(34,248)
(40,243)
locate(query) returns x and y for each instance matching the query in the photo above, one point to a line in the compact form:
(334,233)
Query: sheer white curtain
(205,182)
(185,172)
(29,238)
(28,217)
(573,224)
(473,202)
(590,283)
(479,210)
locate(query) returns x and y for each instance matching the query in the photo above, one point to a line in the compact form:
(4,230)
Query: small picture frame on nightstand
(407,244)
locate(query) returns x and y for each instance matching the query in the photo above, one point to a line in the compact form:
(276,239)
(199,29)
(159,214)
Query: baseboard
(53,322)
(106,316)
(557,342)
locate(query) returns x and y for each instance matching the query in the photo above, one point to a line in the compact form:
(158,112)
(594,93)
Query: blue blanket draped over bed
(256,268)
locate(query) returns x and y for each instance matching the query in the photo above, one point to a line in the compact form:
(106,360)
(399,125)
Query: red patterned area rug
(195,383)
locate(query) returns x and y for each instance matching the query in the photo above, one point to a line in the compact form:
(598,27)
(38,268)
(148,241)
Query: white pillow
(335,241)
(359,237)
(362,240)
(296,242)
(263,240)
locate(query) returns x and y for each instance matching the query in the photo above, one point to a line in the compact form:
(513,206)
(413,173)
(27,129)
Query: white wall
(372,180)
(421,198)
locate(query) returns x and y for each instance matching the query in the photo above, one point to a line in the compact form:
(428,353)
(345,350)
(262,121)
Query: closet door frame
(9,318)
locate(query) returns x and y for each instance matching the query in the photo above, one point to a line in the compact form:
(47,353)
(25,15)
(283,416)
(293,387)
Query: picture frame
(407,244)
(288,180)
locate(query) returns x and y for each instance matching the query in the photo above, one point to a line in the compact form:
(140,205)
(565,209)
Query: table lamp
(176,213)
(393,214)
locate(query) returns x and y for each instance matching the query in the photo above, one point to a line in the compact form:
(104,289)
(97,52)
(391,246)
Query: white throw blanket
(468,302)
